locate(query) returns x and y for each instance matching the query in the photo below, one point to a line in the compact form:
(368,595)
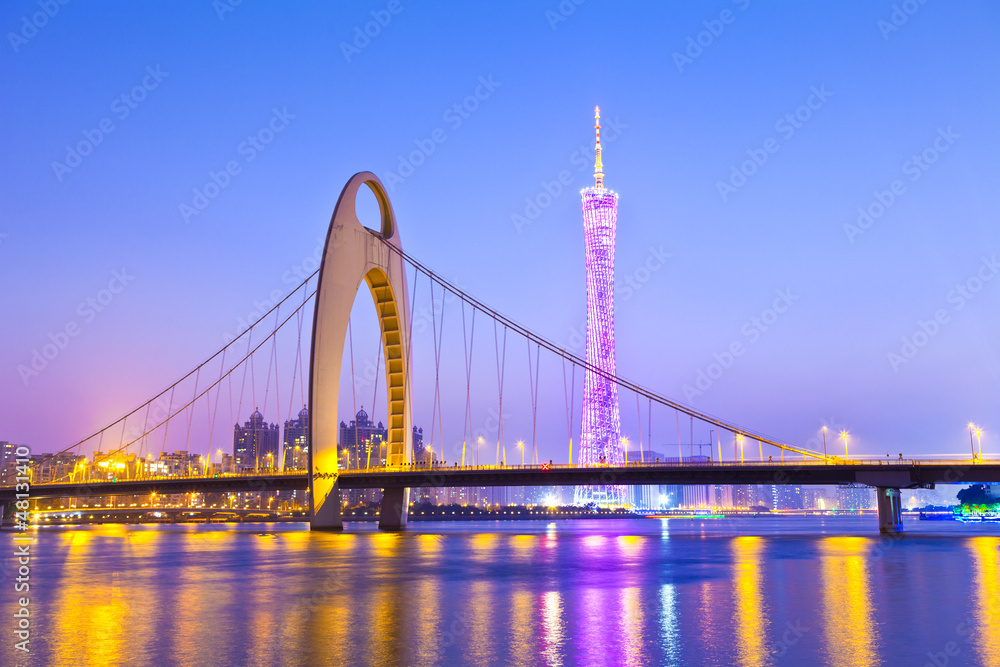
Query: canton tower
(600,433)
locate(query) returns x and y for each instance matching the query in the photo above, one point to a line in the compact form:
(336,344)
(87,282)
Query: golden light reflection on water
(849,631)
(554,627)
(98,619)
(384,545)
(385,609)
(632,619)
(425,608)
(429,544)
(986,598)
(525,546)
(479,646)
(522,627)
(483,546)
(631,546)
(751,623)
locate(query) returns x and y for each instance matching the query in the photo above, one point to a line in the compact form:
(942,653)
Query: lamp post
(979,442)
(479,443)
(824,441)
(972,444)
(739,439)
(520,445)
(847,456)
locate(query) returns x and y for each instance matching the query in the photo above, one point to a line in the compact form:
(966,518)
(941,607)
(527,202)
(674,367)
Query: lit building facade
(600,436)
(362,445)
(852,497)
(8,462)
(295,455)
(790,497)
(255,444)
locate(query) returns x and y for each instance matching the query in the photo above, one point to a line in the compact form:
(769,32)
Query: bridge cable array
(301,296)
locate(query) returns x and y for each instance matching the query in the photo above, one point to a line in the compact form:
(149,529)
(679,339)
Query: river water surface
(766,591)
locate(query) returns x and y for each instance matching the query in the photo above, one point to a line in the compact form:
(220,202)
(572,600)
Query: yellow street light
(843,434)
(979,442)
(739,439)
(971,443)
(520,445)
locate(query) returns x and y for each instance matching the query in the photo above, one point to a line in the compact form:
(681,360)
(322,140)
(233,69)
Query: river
(764,591)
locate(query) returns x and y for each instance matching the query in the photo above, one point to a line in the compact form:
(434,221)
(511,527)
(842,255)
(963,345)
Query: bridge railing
(833,460)
(455,467)
(155,478)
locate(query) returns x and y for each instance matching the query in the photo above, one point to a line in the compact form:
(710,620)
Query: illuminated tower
(600,436)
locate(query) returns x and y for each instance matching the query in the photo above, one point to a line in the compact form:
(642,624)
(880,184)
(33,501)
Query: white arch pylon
(354,254)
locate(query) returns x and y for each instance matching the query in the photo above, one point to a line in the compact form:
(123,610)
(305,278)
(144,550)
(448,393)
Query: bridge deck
(898,474)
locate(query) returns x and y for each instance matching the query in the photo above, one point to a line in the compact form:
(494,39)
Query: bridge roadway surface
(884,473)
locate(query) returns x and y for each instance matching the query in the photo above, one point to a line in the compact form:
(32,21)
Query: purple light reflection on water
(797,590)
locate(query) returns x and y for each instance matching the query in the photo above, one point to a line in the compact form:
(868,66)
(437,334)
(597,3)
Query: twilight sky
(834,160)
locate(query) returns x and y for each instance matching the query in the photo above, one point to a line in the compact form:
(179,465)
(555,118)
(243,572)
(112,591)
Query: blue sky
(692,93)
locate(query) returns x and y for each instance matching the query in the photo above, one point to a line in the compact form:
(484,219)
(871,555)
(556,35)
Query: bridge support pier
(326,511)
(8,515)
(890,510)
(395,508)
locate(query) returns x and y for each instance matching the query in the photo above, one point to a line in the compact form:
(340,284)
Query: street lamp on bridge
(847,457)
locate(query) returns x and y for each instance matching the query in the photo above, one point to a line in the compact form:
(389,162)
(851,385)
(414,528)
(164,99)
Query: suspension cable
(555,349)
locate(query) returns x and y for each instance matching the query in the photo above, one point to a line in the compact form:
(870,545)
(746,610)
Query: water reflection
(986,598)
(850,634)
(632,624)
(592,626)
(479,647)
(751,620)
(669,624)
(522,627)
(553,593)
(554,628)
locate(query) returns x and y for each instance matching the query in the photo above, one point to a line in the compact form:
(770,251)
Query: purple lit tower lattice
(600,433)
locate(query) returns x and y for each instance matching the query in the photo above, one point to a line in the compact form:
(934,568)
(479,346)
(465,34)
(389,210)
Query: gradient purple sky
(888,95)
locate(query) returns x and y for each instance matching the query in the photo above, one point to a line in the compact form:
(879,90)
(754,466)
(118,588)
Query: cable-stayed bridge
(295,354)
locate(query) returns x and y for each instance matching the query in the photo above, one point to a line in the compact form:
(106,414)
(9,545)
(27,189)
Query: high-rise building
(644,496)
(816,498)
(790,497)
(8,462)
(295,455)
(855,497)
(362,445)
(255,444)
(742,495)
(600,436)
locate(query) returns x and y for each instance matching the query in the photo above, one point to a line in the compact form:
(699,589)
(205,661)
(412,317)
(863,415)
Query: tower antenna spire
(598,165)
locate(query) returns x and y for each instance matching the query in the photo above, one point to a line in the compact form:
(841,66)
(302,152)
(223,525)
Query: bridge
(354,255)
